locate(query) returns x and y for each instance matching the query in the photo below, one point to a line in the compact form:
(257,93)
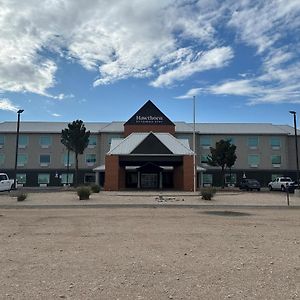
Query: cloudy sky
(100,60)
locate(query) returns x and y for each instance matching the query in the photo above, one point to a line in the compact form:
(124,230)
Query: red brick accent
(128,129)
(188,174)
(114,174)
(178,177)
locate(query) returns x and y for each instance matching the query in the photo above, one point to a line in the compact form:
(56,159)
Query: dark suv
(249,184)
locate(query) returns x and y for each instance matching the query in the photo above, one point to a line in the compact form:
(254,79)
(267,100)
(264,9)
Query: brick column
(111,173)
(178,177)
(188,174)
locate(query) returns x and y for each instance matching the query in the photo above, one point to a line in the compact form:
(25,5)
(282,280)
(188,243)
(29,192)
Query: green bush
(207,193)
(95,188)
(84,193)
(21,196)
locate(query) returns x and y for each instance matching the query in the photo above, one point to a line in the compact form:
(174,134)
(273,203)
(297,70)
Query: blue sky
(102,60)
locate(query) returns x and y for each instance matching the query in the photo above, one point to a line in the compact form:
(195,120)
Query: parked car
(281,183)
(249,185)
(6,184)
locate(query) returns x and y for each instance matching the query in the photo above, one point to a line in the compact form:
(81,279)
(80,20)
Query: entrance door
(149,180)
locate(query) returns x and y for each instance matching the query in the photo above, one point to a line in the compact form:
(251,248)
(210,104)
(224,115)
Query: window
(45,141)
(207,179)
(44,160)
(90,159)
(275,143)
(71,159)
(253,160)
(204,159)
(276,160)
(205,142)
(92,141)
(23,141)
(230,178)
(2,158)
(274,176)
(253,142)
(231,140)
(2,141)
(21,178)
(66,178)
(113,136)
(22,160)
(43,178)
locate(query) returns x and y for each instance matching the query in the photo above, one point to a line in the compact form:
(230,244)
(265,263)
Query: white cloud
(165,41)
(56,115)
(212,59)
(6,104)
(191,93)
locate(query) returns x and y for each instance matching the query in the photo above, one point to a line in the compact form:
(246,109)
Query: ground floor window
(21,178)
(274,176)
(207,179)
(43,178)
(230,178)
(89,178)
(67,178)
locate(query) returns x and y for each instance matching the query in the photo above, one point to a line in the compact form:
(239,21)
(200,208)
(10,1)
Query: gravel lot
(150,253)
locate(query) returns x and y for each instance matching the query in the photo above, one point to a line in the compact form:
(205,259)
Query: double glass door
(149,180)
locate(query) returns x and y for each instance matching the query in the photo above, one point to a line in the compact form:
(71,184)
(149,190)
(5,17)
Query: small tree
(76,139)
(223,155)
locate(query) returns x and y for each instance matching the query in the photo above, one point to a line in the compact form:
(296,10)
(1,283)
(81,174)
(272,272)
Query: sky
(101,60)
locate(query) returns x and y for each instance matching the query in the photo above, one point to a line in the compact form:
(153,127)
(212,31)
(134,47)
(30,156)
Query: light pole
(296,144)
(194,142)
(17,147)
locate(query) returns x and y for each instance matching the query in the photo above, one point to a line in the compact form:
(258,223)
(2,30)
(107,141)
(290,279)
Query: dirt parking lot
(150,253)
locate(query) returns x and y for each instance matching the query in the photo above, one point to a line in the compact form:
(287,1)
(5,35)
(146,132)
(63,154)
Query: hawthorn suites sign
(149,119)
(149,114)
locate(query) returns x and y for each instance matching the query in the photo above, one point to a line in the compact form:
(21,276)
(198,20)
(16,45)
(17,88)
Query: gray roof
(127,145)
(181,127)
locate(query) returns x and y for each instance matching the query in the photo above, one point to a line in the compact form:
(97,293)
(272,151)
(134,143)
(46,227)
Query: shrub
(21,196)
(207,193)
(84,193)
(95,188)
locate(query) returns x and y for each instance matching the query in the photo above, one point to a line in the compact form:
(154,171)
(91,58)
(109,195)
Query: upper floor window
(205,142)
(113,136)
(276,160)
(275,143)
(22,160)
(71,159)
(44,160)
(230,139)
(253,142)
(90,159)
(253,160)
(204,159)
(2,140)
(45,141)
(23,141)
(92,141)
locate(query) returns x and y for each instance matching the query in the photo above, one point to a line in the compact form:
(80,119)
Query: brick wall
(128,129)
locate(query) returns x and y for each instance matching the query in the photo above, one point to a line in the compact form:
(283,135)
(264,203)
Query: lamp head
(20,111)
(292,112)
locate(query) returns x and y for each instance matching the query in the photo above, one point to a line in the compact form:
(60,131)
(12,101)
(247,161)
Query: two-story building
(147,151)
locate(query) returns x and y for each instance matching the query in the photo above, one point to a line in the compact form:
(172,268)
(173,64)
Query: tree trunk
(223,177)
(76,169)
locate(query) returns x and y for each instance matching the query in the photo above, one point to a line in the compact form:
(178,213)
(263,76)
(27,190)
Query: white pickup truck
(280,183)
(6,184)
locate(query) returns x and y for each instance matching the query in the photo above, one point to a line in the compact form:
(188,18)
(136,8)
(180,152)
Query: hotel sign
(149,114)
(149,119)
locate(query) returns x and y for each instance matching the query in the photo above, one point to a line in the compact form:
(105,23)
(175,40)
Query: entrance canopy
(150,143)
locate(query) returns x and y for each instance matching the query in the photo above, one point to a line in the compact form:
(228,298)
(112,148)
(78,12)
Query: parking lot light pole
(17,147)
(296,145)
